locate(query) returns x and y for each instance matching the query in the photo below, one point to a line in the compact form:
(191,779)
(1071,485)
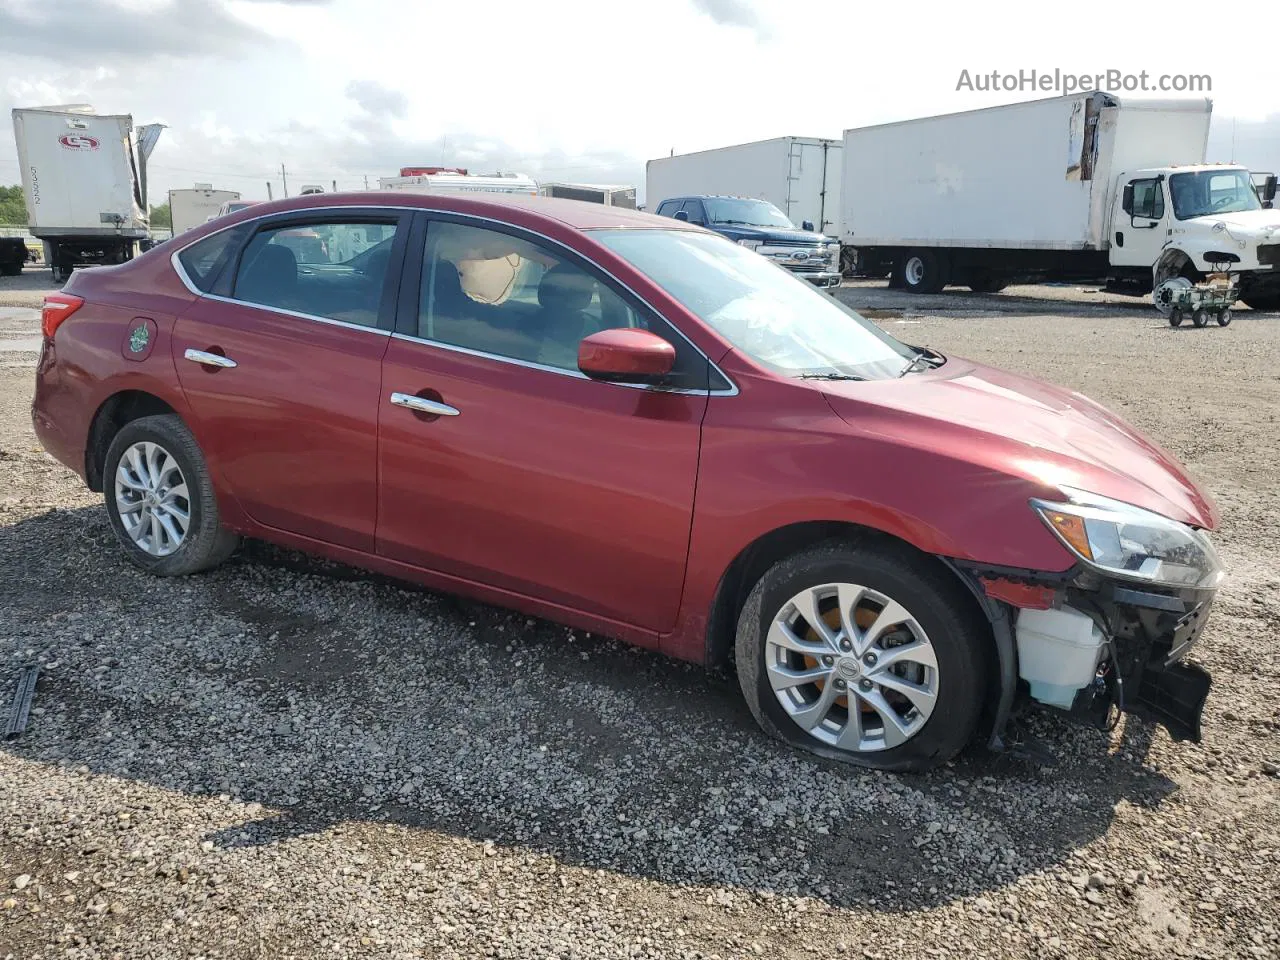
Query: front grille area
(1269,254)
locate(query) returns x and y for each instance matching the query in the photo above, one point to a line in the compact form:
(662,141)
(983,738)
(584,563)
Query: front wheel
(1224,316)
(160,499)
(1199,317)
(866,654)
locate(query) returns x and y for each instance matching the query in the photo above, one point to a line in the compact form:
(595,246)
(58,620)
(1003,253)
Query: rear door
(280,361)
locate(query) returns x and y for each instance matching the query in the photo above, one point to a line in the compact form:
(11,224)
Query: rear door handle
(209,359)
(423,405)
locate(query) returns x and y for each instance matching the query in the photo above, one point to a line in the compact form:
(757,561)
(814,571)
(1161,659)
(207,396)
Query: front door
(283,373)
(1141,226)
(502,464)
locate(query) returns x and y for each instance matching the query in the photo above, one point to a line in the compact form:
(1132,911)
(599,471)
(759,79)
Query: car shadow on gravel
(331,696)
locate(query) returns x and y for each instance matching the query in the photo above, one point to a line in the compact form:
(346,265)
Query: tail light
(57,307)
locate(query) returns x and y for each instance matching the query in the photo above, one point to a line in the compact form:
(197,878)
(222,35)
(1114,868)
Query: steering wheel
(1222,202)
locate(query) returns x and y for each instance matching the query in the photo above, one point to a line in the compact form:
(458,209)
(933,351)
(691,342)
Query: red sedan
(636,427)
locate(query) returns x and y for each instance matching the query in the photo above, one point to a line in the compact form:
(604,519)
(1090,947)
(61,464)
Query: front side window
(331,270)
(1148,199)
(1209,192)
(507,296)
(780,321)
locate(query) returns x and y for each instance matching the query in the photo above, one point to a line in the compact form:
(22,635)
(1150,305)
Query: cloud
(376,99)
(92,29)
(732,13)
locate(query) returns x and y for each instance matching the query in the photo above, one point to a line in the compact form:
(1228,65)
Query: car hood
(1027,428)
(736,231)
(1263,224)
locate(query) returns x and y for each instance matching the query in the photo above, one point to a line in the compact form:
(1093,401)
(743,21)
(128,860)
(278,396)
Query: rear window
(204,259)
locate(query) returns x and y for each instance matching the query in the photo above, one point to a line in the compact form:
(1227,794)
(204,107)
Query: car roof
(577,214)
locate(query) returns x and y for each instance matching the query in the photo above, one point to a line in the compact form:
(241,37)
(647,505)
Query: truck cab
(762,227)
(1168,219)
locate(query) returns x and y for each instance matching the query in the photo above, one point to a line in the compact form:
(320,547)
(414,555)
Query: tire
(1175,317)
(957,634)
(921,271)
(11,269)
(1224,317)
(1265,303)
(1199,317)
(983,282)
(205,542)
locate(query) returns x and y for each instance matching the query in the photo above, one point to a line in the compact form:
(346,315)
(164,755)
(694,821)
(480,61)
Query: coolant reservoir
(1058,653)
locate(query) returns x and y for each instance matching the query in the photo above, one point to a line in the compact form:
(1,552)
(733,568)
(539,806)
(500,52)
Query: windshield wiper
(827,376)
(926,356)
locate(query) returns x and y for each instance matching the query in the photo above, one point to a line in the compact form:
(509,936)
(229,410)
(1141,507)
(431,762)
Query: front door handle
(423,405)
(209,359)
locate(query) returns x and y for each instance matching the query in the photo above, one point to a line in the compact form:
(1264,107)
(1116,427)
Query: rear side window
(204,259)
(323,269)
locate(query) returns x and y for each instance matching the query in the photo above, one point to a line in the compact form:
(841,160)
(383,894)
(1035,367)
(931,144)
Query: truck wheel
(1224,316)
(11,269)
(922,271)
(982,281)
(1267,303)
(866,653)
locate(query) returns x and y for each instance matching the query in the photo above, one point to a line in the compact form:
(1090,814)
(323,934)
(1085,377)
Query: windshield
(780,321)
(754,213)
(1212,191)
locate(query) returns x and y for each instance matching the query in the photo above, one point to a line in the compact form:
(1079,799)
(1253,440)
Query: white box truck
(610,195)
(199,204)
(81,180)
(450,182)
(1082,187)
(798,175)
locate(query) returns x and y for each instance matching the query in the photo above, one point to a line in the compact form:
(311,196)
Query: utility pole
(366,181)
(284,178)
(269,196)
(335,186)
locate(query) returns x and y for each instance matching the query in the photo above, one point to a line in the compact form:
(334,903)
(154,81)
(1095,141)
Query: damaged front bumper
(1139,635)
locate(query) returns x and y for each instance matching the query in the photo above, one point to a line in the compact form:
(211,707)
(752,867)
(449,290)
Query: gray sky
(564,89)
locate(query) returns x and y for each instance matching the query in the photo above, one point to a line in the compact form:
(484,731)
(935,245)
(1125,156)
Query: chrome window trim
(547,368)
(347,324)
(732,391)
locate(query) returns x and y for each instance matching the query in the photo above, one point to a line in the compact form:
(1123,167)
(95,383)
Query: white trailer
(200,204)
(1083,187)
(448,182)
(610,195)
(81,180)
(798,175)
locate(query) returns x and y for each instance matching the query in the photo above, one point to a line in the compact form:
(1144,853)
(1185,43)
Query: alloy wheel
(152,498)
(852,667)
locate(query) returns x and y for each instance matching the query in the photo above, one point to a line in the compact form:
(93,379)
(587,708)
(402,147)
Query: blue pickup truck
(764,228)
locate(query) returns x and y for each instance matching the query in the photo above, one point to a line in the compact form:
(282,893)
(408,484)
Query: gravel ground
(286,758)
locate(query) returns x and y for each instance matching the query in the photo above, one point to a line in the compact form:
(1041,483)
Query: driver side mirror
(626,355)
(682,215)
(807,226)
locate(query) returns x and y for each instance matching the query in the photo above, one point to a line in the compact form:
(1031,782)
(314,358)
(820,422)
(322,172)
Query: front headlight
(751,244)
(1131,542)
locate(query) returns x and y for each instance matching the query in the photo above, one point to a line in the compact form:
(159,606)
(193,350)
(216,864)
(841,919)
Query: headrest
(565,287)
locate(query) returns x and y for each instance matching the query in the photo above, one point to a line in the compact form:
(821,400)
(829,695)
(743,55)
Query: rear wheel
(864,654)
(982,281)
(922,271)
(1175,316)
(160,499)
(1266,303)
(1224,316)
